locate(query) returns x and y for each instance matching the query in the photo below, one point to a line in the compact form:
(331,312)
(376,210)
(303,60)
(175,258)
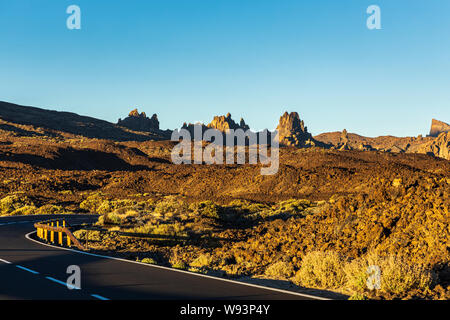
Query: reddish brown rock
(438,127)
(292,131)
(440,147)
(225,123)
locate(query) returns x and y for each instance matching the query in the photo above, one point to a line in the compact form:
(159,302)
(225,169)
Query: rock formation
(439,147)
(191,128)
(344,141)
(292,131)
(225,123)
(140,122)
(438,127)
(220,123)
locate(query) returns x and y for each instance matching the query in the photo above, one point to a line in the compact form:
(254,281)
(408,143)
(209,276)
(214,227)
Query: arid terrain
(339,203)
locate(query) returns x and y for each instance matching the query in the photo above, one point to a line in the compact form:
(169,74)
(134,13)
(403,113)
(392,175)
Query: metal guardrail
(46,230)
(59,232)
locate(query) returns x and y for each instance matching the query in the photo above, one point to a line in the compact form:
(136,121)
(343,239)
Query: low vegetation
(321,221)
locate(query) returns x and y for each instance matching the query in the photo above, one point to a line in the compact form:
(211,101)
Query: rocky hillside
(30,121)
(16,120)
(437,146)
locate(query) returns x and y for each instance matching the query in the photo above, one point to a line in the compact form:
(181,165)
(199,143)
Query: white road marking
(181,271)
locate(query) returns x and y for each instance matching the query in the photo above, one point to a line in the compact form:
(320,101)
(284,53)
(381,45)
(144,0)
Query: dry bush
(92,202)
(206,209)
(91,235)
(169,229)
(398,275)
(321,270)
(169,207)
(16,204)
(202,261)
(148,261)
(280,270)
(179,265)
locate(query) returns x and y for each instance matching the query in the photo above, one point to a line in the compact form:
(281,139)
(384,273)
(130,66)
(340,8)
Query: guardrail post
(43,228)
(52,235)
(60,241)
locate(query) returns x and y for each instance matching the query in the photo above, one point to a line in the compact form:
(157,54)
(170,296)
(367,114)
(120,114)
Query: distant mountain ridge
(138,127)
(71,123)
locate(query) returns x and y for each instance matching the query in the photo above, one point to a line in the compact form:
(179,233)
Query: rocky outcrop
(439,147)
(191,127)
(225,123)
(292,131)
(220,123)
(140,122)
(68,123)
(438,127)
(344,141)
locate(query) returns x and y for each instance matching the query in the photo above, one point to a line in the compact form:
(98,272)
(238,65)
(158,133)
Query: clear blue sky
(188,60)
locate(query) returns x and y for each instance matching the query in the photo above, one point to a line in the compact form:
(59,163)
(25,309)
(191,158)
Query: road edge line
(305,295)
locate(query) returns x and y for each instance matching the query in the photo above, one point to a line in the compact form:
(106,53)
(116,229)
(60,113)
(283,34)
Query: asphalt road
(30,270)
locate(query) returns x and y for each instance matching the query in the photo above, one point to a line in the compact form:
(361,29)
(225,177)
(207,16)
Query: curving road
(31,270)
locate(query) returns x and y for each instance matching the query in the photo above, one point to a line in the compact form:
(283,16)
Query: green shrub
(51,209)
(245,206)
(112,218)
(179,265)
(92,202)
(358,296)
(202,261)
(11,203)
(292,206)
(25,210)
(113,205)
(169,229)
(169,207)
(207,209)
(90,235)
(148,260)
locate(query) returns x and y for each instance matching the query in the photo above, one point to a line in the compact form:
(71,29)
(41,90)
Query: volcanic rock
(440,147)
(438,127)
(292,131)
(140,122)
(225,123)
